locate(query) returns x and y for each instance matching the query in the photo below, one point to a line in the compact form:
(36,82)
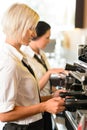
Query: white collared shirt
(37,67)
(17,85)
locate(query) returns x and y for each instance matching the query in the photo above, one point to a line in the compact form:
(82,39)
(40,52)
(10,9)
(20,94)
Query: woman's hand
(55,105)
(57,92)
(58,70)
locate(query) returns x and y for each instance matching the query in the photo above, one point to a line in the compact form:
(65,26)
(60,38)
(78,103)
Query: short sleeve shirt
(17,85)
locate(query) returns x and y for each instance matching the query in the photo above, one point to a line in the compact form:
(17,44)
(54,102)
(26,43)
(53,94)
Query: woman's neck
(34,47)
(12,43)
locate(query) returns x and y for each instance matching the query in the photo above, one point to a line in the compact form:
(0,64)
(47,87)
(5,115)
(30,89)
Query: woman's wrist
(49,72)
(52,95)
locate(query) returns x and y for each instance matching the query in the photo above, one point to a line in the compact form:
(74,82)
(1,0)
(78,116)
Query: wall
(85,14)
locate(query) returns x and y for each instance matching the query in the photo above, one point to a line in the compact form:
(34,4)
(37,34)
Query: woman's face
(28,36)
(43,40)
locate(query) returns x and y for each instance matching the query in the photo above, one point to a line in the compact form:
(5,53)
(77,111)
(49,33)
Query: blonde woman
(20,106)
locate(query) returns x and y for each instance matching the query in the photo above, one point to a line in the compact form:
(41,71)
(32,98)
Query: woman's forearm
(20,112)
(53,105)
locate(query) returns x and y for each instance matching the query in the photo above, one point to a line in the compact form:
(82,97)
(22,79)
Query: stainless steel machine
(76,95)
(76,105)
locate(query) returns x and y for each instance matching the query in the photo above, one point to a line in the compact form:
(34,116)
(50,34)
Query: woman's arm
(53,105)
(20,112)
(43,81)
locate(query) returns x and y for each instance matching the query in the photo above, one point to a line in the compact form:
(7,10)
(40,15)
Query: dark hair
(41,28)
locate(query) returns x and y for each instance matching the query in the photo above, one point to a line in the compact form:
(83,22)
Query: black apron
(38,125)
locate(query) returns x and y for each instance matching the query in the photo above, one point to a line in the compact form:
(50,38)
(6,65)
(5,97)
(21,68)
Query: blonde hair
(18,19)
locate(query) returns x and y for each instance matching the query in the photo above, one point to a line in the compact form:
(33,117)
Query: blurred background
(68,22)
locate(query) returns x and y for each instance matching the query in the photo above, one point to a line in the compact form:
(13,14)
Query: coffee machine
(76,104)
(76,95)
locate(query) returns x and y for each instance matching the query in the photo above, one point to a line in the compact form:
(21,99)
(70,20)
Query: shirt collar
(28,50)
(13,51)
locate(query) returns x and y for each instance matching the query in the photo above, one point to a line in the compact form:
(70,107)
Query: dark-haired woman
(38,61)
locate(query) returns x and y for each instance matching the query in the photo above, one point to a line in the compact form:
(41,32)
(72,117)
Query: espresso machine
(76,93)
(76,104)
